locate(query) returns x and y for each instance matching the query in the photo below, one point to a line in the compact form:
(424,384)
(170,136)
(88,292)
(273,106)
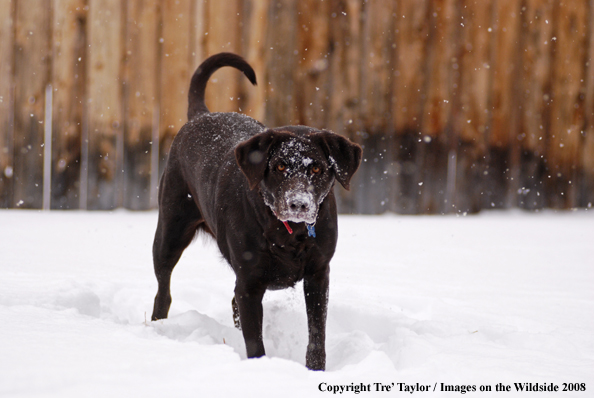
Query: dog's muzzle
(297,203)
(300,207)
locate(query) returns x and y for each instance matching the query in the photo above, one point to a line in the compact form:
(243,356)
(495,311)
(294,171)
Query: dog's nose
(299,205)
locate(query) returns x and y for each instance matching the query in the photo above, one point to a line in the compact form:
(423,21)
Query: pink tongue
(287,226)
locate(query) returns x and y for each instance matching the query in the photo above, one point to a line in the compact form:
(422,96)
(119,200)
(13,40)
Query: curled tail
(205,70)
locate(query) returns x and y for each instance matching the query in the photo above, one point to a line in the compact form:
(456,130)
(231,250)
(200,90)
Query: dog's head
(295,168)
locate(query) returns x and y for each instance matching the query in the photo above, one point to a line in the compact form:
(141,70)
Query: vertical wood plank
(534,124)
(344,82)
(104,103)
(254,31)
(313,18)
(281,108)
(68,76)
(412,33)
(175,71)
(567,109)
(431,181)
(587,185)
(224,21)
(505,28)
(505,65)
(441,65)
(6,102)
(537,35)
(471,107)
(376,72)
(32,54)
(198,33)
(474,63)
(140,96)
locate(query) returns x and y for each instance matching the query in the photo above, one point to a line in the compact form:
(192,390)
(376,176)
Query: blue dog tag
(311,230)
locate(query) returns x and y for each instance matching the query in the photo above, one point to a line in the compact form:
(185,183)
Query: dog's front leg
(316,301)
(249,303)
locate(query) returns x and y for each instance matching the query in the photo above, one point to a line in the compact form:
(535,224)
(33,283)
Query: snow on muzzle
(297,203)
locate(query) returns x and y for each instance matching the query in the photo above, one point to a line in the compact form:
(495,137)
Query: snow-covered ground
(502,297)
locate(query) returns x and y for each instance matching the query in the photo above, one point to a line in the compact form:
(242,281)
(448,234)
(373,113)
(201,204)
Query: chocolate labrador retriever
(265,195)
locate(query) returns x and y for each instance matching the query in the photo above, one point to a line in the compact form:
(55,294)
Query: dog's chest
(289,256)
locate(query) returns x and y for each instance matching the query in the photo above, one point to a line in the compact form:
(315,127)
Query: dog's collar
(288,227)
(311,229)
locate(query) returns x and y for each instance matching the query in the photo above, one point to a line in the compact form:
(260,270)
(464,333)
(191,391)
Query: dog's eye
(315,170)
(281,167)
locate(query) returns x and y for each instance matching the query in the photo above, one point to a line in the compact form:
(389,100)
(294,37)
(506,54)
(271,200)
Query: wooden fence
(460,105)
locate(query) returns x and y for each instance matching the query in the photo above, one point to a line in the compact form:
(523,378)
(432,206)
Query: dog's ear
(252,155)
(344,156)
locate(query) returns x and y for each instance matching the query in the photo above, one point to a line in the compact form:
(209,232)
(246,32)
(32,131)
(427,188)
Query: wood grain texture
(253,42)
(505,67)
(441,64)
(141,99)
(345,82)
(471,116)
(6,103)
(378,57)
(474,59)
(534,122)
(31,76)
(344,65)
(411,39)
(282,45)
(587,183)
(68,76)
(105,110)
(198,33)
(222,91)
(429,172)
(312,69)
(175,77)
(567,108)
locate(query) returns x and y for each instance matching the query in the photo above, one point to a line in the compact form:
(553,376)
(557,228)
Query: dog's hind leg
(172,237)
(179,219)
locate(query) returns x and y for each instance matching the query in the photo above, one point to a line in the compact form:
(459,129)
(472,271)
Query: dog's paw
(315,359)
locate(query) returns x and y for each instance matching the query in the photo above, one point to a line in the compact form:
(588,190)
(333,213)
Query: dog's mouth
(297,218)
